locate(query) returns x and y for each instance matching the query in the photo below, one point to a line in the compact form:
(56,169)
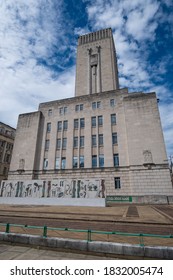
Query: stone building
(104,142)
(7,134)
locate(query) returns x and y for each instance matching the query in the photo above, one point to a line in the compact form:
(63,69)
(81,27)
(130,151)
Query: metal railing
(88,232)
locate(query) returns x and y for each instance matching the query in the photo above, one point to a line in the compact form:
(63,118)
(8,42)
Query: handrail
(87,231)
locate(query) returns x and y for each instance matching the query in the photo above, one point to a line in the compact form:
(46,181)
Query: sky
(38,40)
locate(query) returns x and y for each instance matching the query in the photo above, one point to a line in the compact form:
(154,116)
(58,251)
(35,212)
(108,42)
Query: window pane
(82,123)
(77,108)
(113,119)
(94,161)
(114,138)
(81,107)
(94,141)
(116,160)
(59,126)
(48,127)
(49,112)
(65,125)
(63,163)
(45,163)
(57,163)
(65,110)
(58,143)
(100,120)
(81,141)
(98,104)
(76,123)
(112,102)
(61,110)
(117,182)
(81,161)
(64,143)
(101,160)
(100,139)
(93,121)
(74,162)
(75,144)
(94,105)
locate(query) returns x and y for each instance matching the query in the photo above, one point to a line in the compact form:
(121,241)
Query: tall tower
(96,67)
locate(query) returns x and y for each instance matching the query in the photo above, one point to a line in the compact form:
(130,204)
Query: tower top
(95,36)
(96,67)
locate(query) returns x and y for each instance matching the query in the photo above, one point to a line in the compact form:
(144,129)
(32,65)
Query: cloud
(33,56)
(135,29)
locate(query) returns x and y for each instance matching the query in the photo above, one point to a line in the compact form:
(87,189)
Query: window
(100,139)
(94,140)
(82,123)
(93,121)
(76,124)
(81,161)
(114,138)
(112,102)
(48,127)
(57,163)
(79,107)
(60,126)
(65,110)
(94,161)
(113,119)
(65,125)
(45,164)
(75,162)
(116,160)
(75,142)
(117,182)
(100,120)
(62,110)
(58,144)
(50,112)
(63,163)
(64,143)
(81,141)
(96,105)
(47,142)
(101,160)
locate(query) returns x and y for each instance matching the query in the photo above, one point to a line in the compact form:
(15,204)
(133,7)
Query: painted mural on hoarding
(56,188)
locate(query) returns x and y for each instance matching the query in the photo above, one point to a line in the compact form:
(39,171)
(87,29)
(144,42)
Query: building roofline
(7,125)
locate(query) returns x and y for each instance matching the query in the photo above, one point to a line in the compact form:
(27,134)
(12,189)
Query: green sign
(119,198)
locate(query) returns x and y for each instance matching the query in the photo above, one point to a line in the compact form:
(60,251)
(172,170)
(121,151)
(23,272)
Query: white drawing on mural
(59,188)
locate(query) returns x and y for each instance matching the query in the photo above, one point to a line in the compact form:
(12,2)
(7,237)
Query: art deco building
(7,134)
(105,141)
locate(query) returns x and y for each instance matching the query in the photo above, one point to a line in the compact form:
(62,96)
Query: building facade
(104,142)
(7,134)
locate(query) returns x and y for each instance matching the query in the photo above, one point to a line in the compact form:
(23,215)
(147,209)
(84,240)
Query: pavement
(151,214)
(16,252)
